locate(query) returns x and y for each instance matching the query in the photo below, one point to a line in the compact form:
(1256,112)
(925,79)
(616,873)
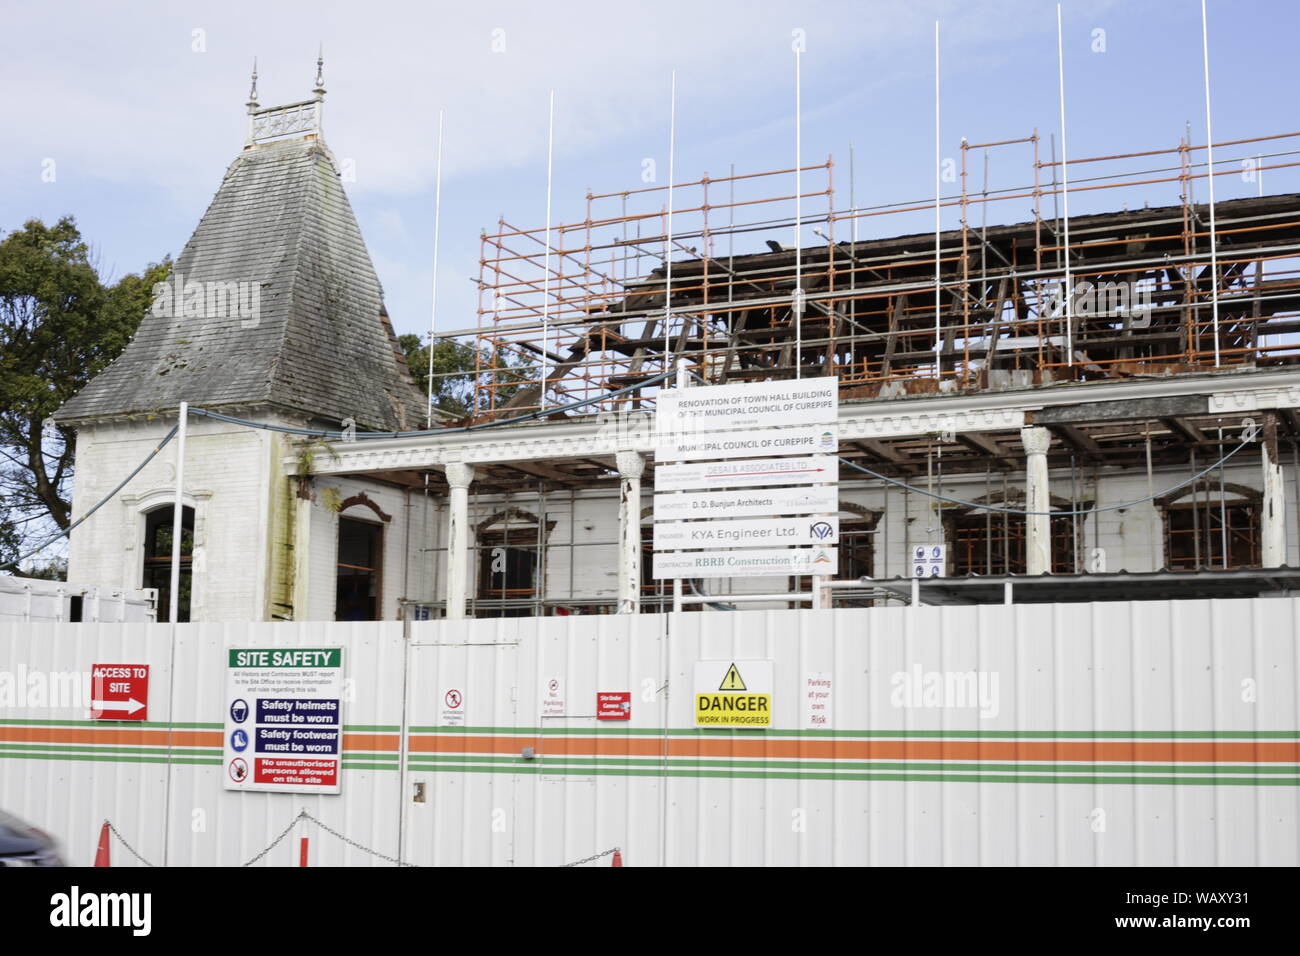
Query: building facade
(1147,445)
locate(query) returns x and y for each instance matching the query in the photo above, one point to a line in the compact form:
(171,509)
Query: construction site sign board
(730,693)
(812,470)
(808,401)
(284,719)
(762,503)
(745,564)
(796,440)
(758,532)
(119,692)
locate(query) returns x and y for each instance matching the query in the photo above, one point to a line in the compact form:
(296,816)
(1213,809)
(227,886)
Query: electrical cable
(103,501)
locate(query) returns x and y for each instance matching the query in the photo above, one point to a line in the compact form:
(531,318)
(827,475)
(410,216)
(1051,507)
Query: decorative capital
(459,474)
(1036,439)
(630,464)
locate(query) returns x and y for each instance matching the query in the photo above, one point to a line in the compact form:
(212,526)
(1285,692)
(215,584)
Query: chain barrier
(304,815)
(590,859)
(122,840)
(277,840)
(365,849)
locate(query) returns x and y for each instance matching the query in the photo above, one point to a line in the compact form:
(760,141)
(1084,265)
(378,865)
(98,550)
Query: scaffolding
(719,271)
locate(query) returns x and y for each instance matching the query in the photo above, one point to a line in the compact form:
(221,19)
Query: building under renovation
(1089,407)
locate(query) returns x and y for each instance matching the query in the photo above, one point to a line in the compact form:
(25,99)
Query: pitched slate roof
(321,343)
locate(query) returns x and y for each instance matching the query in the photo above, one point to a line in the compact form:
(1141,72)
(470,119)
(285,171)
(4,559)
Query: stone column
(1038,527)
(1273,518)
(459,476)
(630,468)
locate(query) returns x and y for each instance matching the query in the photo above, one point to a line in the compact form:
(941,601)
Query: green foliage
(455,365)
(60,324)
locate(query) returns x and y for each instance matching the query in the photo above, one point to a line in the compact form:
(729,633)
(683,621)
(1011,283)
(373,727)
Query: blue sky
(141,123)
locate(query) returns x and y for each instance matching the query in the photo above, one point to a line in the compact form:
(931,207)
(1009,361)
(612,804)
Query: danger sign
(733,693)
(119,692)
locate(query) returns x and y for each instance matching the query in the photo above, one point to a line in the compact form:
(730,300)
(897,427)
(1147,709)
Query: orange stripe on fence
(121,736)
(1132,751)
(144,737)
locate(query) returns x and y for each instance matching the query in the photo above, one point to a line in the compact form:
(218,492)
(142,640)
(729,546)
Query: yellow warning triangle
(733,680)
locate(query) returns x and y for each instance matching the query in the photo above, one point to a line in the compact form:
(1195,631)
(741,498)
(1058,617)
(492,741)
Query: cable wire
(103,501)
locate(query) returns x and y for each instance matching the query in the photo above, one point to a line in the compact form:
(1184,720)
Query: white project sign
(763,503)
(813,470)
(744,564)
(809,401)
(730,534)
(284,719)
(799,440)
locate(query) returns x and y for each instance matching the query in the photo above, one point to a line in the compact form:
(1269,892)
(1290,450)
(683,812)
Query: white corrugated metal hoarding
(1107,734)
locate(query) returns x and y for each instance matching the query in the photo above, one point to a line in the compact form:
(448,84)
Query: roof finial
(320,73)
(252,90)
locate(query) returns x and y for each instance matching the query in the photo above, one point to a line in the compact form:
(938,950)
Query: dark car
(23,845)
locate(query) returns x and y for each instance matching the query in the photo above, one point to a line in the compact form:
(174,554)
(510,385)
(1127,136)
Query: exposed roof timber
(1079,439)
(1185,429)
(544,470)
(985,443)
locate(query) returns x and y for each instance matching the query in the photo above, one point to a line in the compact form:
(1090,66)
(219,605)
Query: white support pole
(433,308)
(1273,520)
(546,256)
(1065,197)
(938,168)
(1209,175)
(178,512)
(798,302)
(683,380)
(1038,501)
(631,466)
(459,476)
(668,245)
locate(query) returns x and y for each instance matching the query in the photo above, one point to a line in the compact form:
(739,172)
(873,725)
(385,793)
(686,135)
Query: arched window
(987,542)
(1212,526)
(510,548)
(158,558)
(358,570)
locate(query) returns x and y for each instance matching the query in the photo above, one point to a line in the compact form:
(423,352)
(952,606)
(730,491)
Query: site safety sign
(733,693)
(284,719)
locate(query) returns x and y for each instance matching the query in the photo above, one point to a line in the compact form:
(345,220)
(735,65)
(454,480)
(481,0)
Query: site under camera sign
(284,719)
(732,693)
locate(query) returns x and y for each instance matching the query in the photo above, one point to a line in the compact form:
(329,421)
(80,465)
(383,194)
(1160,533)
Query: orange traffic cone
(101,851)
(618,858)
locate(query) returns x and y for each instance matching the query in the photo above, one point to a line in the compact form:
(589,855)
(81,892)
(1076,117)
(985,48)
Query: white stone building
(551,515)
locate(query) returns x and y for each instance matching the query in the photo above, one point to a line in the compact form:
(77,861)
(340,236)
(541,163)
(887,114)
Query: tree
(60,325)
(454,366)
